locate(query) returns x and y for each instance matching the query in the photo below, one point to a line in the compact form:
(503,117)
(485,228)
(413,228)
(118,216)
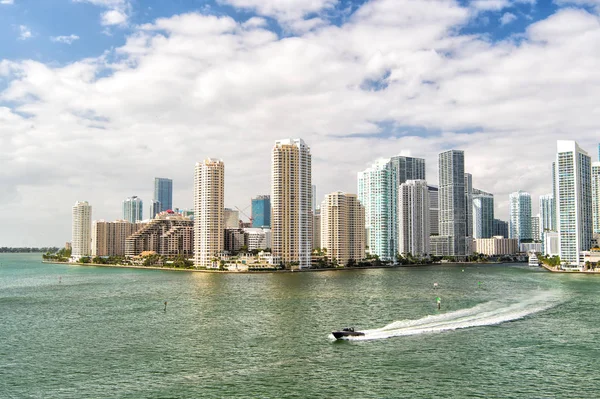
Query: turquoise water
(87,332)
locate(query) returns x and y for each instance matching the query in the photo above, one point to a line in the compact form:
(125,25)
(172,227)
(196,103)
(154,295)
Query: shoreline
(265,271)
(553,270)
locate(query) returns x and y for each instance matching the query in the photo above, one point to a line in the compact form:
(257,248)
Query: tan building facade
(496,245)
(343,227)
(209,198)
(291,202)
(108,238)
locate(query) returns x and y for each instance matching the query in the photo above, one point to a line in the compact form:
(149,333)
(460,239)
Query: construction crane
(243,212)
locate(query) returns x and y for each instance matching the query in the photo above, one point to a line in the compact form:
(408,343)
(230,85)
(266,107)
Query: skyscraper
(261,211)
(434,211)
(81,227)
(483,214)
(596,197)
(108,238)
(408,168)
(535,228)
(500,228)
(231,218)
(163,193)
(547,213)
(154,208)
(574,201)
(343,227)
(519,225)
(376,194)
(413,213)
(313,194)
(469,203)
(291,202)
(452,201)
(209,190)
(133,209)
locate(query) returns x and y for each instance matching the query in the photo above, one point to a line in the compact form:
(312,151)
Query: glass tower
(261,211)
(132,209)
(163,193)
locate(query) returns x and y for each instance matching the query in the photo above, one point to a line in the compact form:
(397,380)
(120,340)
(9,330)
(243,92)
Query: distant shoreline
(268,271)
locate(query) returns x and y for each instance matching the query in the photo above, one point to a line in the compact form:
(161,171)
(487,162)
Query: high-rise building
(343,228)
(154,209)
(574,201)
(133,209)
(231,218)
(163,193)
(313,195)
(408,168)
(500,228)
(469,203)
(317,229)
(261,211)
(413,213)
(291,197)
(547,213)
(452,201)
(376,194)
(169,234)
(108,238)
(519,225)
(209,226)
(81,226)
(483,214)
(434,211)
(596,197)
(535,228)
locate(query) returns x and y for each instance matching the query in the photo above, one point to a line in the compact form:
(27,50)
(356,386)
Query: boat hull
(346,334)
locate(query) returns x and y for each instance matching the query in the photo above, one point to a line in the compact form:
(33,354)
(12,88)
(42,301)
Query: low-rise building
(108,238)
(496,245)
(551,243)
(235,239)
(527,247)
(258,238)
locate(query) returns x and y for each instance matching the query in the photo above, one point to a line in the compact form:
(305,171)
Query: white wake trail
(484,314)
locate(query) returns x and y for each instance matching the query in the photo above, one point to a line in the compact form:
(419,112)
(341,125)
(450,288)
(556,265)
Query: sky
(98,97)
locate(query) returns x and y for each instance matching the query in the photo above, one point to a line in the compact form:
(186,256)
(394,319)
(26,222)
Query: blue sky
(97,97)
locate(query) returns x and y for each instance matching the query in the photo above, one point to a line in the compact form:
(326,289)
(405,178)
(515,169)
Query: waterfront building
(291,197)
(441,245)
(316,229)
(133,209)
(596,197)
(535,228)
(169,234)
(261,211)
(574,201)
(376,193)
(258,238)
(163,194)
(500,228)
(551,243)
(483,214)
(528,247)
(68,246)
(547,213)
(108,238)
(452,201)
(469,204)
(413,213)
(81,225)
(343,228)
(235,239)
(519,225)
(496,246)
(231,218)
(209,189)
(434,210)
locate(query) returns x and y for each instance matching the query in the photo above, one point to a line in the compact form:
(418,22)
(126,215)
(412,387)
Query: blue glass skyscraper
(163,193)
(261,211)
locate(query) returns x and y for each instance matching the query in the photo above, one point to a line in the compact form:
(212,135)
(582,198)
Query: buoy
(165,306)
(435,285)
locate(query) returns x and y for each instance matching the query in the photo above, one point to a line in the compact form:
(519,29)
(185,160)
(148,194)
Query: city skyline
(86,96)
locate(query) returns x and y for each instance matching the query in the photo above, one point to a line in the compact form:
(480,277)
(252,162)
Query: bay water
(503,331)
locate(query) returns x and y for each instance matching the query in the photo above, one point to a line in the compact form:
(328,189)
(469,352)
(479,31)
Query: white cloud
(7,2)
(64,39)
(24,32)
(113,17)
(193,86)
(507,18)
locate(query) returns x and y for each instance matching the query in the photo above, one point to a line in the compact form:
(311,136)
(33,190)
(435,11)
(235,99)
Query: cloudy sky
(97,97)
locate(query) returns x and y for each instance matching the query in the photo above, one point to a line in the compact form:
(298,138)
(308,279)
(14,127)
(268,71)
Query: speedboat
(347,332)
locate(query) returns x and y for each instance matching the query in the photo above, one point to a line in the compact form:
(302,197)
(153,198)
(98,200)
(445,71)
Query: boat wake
(484,314)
